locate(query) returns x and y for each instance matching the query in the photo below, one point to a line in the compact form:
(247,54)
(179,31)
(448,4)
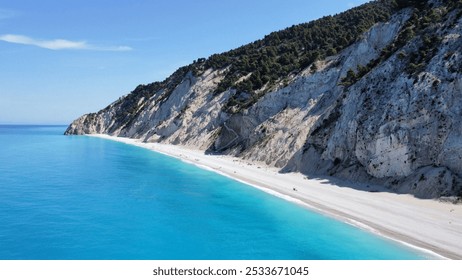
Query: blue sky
(60,59)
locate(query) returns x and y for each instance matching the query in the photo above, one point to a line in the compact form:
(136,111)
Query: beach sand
(430,225)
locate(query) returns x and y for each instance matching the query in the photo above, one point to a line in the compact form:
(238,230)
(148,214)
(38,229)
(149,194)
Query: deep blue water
(77,197)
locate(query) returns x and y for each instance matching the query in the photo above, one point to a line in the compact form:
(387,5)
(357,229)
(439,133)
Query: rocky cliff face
(386,110)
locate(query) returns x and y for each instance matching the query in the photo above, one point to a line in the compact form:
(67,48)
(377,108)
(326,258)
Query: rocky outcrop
(380,111)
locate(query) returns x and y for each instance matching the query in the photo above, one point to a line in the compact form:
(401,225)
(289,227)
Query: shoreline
(430,226)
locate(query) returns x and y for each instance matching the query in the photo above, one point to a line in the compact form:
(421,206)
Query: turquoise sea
(77,197)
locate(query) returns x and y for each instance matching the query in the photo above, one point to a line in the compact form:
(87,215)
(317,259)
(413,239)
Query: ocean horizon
(85,198)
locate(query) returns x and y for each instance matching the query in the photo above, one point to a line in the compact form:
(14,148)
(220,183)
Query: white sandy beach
(428,224)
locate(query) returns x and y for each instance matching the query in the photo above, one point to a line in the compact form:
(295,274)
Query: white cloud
(59,44)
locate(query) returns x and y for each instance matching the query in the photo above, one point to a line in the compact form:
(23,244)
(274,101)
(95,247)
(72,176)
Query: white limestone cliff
(389,127)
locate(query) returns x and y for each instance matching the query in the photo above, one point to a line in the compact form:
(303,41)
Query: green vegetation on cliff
(258,67)
(279,54)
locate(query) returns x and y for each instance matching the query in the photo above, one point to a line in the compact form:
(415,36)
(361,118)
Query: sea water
(78,197)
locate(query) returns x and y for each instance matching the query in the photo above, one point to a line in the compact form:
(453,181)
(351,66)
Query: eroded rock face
(391,126)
